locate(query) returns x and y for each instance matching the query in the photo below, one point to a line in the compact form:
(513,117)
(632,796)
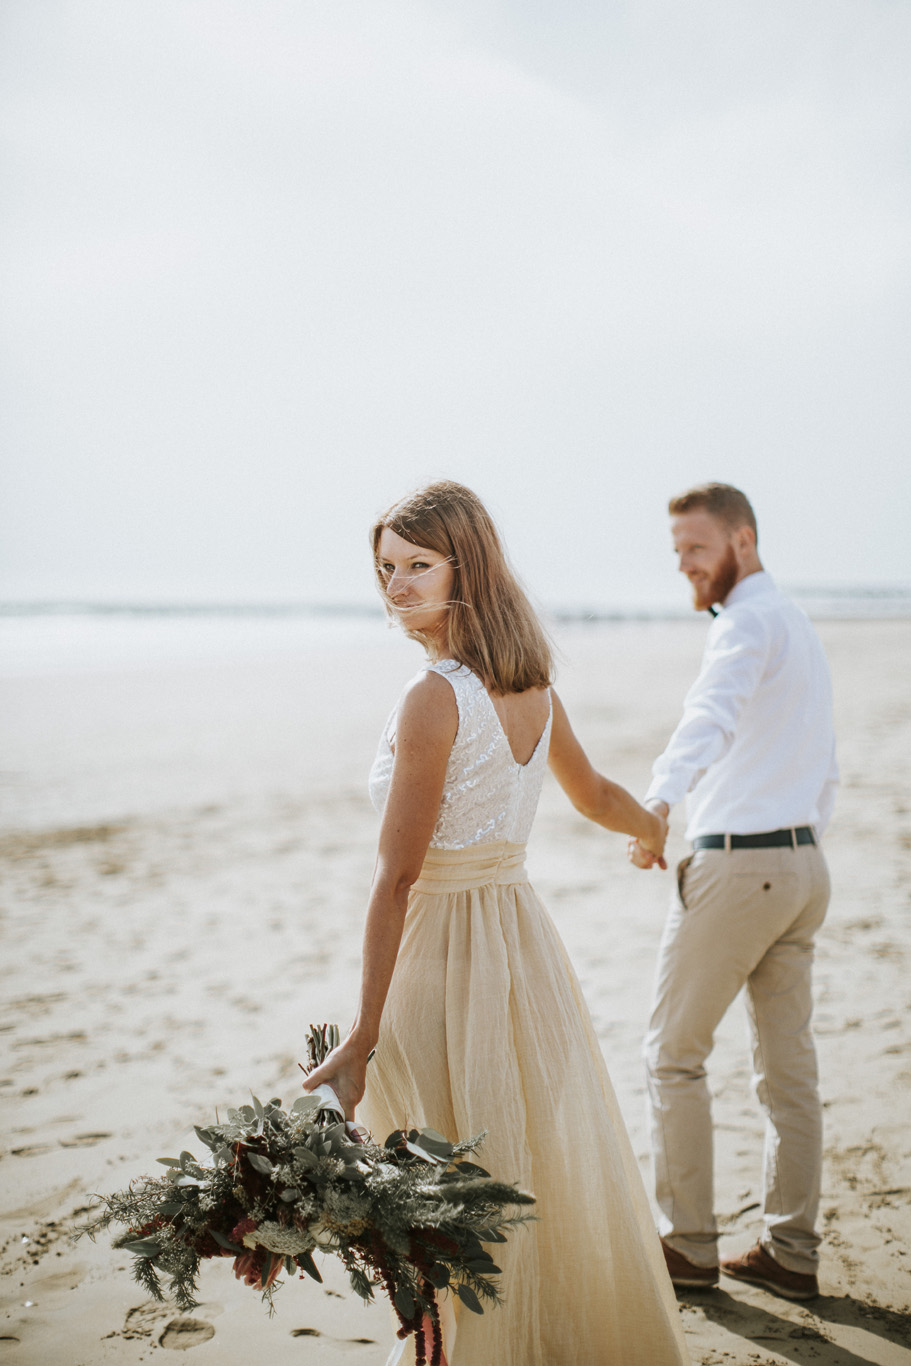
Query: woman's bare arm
(425,730)
(602,801)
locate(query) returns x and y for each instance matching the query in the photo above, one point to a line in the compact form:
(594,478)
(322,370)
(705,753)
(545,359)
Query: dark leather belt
(769,839)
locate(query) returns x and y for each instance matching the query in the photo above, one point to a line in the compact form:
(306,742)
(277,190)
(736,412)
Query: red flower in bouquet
(258,1268)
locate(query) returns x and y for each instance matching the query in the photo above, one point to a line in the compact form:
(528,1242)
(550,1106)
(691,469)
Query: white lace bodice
(487,796)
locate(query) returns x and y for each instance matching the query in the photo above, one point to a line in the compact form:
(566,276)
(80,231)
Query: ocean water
(89,640)
(40,639)
(135,714)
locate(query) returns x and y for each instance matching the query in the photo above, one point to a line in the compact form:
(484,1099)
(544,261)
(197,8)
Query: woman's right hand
(345,1070)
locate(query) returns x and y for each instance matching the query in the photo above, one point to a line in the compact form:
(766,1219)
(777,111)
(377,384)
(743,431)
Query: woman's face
(418,583)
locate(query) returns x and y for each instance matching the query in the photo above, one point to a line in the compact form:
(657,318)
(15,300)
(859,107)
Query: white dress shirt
(755,747)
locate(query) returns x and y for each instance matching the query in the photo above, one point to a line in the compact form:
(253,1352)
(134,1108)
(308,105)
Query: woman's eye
(387,569)
(420,564)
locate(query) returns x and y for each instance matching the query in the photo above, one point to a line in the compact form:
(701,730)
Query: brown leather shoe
(760,1268)
(685,1273)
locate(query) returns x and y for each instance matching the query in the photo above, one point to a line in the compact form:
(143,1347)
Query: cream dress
(485,1027)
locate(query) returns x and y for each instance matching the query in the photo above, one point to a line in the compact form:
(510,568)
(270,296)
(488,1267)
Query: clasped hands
(649,853)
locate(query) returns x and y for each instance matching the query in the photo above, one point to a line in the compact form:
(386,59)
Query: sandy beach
(186,845)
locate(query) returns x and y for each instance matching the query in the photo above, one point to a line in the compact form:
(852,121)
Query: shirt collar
(753,586)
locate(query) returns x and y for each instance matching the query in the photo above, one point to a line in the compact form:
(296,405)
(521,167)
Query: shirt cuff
(657,792)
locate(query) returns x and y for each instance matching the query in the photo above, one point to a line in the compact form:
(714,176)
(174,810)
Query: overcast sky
(267,265)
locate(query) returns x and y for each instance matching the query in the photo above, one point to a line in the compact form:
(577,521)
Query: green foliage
(410,1215)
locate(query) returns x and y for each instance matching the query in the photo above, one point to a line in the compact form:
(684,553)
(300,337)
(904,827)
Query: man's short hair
(723,501)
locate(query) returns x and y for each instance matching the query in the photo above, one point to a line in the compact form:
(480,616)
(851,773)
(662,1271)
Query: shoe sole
(776,1289)
(686,1283)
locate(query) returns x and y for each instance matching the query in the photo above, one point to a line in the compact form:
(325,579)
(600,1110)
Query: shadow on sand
(805,1335)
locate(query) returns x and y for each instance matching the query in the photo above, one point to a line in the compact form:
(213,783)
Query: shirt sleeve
(732,666)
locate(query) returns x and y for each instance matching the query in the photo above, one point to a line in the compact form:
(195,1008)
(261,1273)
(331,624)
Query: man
(754,754)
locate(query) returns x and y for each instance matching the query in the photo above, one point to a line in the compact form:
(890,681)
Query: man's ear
(745,542)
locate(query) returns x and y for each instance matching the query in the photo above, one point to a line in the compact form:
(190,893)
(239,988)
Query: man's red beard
(717,589)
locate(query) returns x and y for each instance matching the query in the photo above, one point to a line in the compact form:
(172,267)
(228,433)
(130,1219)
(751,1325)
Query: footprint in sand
(83,1140)
(315,1333)
(181,1334)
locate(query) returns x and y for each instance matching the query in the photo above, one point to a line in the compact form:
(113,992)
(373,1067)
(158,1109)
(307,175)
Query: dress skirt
(485,1028)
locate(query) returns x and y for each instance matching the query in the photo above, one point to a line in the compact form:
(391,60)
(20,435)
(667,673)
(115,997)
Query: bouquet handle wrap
(329,1101)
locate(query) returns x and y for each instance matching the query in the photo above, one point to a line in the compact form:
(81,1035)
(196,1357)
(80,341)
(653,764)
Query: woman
(467,994)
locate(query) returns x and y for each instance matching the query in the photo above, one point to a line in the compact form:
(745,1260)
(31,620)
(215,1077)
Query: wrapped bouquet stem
(410,1216)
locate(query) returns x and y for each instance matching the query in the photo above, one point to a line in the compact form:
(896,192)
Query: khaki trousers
(739,918)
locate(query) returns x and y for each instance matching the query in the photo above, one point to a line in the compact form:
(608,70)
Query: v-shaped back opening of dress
(488,796)
(519,763)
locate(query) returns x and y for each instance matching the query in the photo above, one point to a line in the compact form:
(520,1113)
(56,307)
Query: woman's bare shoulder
(428,704)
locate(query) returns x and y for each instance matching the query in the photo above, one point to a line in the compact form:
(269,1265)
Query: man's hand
(649,853)
(641,857)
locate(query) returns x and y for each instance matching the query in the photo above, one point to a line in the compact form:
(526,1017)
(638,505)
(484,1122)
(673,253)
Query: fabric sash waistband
(461,870)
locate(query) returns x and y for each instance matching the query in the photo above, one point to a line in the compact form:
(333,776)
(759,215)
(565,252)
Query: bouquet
(410,1216)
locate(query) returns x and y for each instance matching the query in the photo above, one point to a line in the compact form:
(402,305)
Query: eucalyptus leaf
(418,1151)
(472,1168)
(405,1302)
(260,1163)
(488,1268)
(438,1276)
(435,1143)
(469,1299)
(304,1104)
(306,1263)
(224,1242)
(168,1161)
(258,1108)
(143,1247)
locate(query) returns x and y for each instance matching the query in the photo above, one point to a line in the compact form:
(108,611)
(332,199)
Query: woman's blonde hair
(492,626)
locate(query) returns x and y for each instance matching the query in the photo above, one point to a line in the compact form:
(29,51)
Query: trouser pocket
(682,867)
